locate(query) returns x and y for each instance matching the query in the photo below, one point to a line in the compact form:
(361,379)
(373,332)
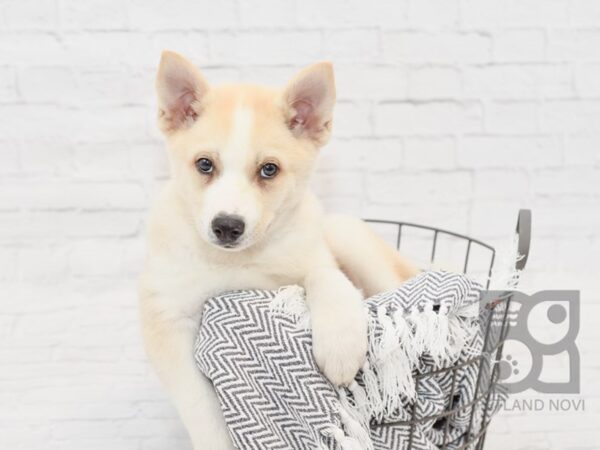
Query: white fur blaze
(231,193)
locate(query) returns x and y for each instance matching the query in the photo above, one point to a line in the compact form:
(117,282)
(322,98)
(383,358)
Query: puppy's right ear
(180,88)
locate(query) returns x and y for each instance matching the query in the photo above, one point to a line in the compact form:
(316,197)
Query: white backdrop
(454,113)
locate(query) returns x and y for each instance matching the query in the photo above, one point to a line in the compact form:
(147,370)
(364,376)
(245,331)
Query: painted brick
(512,117)
(351,13)
(267,13)
(65,196)
(425,187)
(430,153)
(587,79)
(93,161)
(29,15)
(584,13)
(43,265)
(353,46)
(49,155)
(46,84)
(384,154)
(573,44)
(27,48)
(452,113)
(344,155)
(179,14)
(518,81)
(442,47)
(9,157)
(584,182)
(352,119)
(94,15)
(255,47)
(8,84)
(582,150)
(519,45)
(379,82)
(433,13)
(8,264)
(392,119)
(501,184)
(509,152)
(574,116)
(434,83)
(510,13)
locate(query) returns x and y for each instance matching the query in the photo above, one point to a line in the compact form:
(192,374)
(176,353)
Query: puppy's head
(241,155)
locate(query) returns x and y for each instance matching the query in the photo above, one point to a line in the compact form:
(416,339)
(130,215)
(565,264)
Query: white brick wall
(452,112)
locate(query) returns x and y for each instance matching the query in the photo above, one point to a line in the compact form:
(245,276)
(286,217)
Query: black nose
(228,229)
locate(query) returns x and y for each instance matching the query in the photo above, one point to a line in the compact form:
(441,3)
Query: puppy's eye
(204,165)
(269,170)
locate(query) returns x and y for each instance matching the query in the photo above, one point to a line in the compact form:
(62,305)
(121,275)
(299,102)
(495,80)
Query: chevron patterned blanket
(255,347)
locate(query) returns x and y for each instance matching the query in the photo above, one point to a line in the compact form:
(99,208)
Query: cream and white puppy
(237,214)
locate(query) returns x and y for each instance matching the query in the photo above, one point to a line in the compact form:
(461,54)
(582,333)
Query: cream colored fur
(287,239)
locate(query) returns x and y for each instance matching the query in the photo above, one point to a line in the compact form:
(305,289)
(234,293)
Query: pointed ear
(180,88)
(309,99)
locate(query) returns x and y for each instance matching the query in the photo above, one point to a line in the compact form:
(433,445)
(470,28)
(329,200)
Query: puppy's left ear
(309,100)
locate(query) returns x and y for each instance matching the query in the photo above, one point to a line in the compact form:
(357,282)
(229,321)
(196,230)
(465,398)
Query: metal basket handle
(524,237)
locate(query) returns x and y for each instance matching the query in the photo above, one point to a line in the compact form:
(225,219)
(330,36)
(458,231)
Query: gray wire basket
(495,324)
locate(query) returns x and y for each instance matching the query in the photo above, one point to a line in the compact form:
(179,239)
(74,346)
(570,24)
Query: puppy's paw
(340,346)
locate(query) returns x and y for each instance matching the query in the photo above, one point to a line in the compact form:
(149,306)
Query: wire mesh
(486,362)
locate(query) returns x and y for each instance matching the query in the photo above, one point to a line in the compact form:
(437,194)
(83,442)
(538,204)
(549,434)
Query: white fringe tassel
(290,301)
(345,442)
(505,276)
(394,354)
(396,342)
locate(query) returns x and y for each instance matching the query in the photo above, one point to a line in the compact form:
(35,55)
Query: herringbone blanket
(255,347)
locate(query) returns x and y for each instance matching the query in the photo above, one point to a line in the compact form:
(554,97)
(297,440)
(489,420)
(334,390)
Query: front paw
(340,345)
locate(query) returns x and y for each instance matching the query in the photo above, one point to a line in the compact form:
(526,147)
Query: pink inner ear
(180,108)
(303,114)
(184,105)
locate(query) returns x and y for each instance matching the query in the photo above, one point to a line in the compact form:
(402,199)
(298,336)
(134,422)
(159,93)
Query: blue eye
(204,165)
(269,170)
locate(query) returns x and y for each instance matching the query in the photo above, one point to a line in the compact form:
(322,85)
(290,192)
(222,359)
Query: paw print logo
(541,342)
(508,367)
(516,363)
